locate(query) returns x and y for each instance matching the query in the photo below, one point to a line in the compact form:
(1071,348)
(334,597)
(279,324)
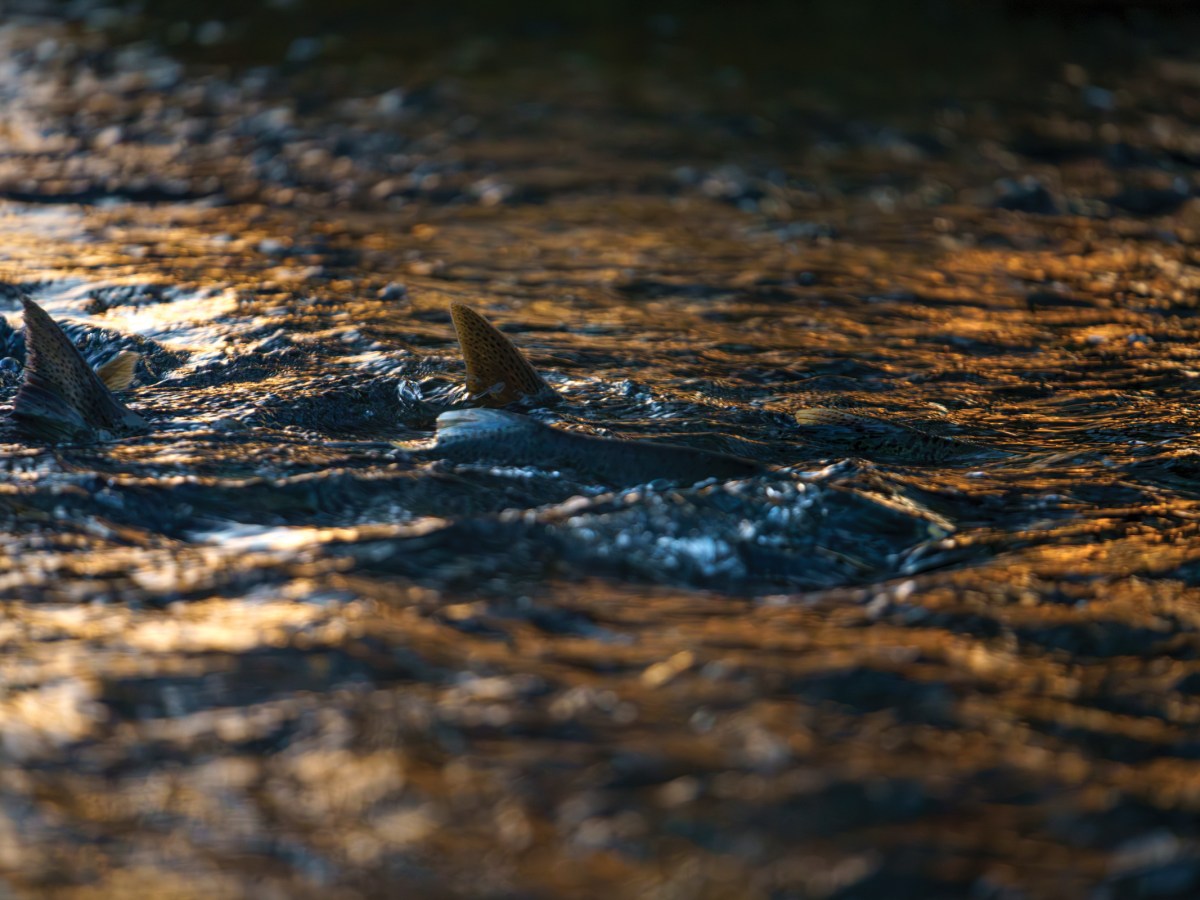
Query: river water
(271,649)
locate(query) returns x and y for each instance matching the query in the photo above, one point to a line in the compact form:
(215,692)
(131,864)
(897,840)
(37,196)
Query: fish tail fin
(822,415)
(496,371)
(61,397)
(117,373)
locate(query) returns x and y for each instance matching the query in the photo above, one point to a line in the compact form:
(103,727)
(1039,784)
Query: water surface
(264,650)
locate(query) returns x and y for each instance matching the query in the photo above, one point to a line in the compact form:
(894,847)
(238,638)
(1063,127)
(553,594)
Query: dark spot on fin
(61,397)
(497,373)
(117,373)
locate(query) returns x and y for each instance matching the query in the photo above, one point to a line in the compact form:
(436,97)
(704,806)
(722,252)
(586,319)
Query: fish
(498,376)
(497,373)
(503,437)
(61,398)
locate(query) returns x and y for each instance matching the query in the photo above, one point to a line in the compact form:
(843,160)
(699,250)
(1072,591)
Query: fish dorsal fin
(61,397)
(117,373)
(497,373)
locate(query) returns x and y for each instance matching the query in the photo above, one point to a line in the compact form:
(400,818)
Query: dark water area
(934,266)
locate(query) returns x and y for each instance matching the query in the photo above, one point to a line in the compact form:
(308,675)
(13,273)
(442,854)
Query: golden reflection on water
(407,722)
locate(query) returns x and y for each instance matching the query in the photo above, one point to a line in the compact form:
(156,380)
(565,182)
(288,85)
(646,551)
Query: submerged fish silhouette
(507,438)
(61,398)
(883,440)
(497,373)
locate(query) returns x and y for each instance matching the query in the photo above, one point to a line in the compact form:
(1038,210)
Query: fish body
(61,398)
(506,438)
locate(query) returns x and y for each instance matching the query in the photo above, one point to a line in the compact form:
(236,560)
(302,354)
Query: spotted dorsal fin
(117,373)
(61,398)
(497,373)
